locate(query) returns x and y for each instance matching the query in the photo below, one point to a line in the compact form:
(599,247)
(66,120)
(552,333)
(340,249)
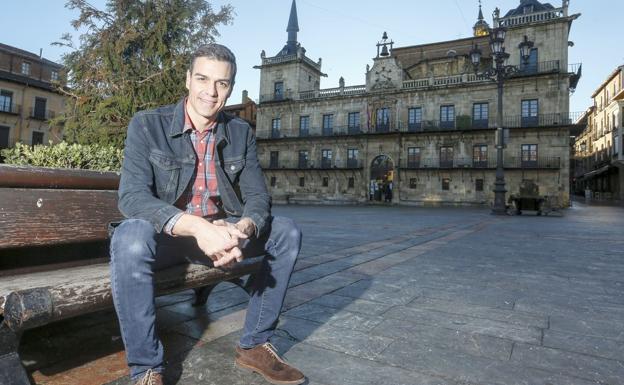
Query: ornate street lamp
(499,73)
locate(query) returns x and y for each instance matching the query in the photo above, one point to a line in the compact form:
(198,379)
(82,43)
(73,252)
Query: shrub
(65,155)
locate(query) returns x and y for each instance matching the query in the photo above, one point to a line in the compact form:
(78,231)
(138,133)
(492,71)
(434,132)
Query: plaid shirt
(201,197)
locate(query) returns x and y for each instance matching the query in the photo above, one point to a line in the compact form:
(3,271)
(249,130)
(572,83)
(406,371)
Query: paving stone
(465,367)
(427,335)
(334,368)
(590,326)
(310,290)
(347,341)
(212,326)
(485,297)
(378,292)
(352,304)
(334,317)
(459,307)
(528,334)
(569,363)
(595,346)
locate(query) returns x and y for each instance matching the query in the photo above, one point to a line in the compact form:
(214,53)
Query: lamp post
(499,73)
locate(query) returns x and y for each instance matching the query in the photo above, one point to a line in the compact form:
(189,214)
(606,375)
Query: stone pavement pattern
(399,296)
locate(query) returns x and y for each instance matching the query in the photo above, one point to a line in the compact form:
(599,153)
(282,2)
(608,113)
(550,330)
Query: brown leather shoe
(150,378)
(263,359)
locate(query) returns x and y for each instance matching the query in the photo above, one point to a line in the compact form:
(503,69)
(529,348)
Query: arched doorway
(381,179)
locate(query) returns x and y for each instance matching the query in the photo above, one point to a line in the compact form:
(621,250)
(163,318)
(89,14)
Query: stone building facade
(598,149)
(28,97)
(246,109)
(421,130)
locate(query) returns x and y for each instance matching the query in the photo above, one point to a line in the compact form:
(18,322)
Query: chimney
(40,53)
(245,97)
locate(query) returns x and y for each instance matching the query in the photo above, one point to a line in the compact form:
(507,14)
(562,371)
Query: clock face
(383,78)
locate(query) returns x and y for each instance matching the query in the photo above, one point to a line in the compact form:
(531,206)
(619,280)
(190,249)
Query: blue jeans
(137,251)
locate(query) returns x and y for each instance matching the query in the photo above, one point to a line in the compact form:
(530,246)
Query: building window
(273,181)
(352,158)
(414,119)
(446,157)
(530,66)
(447,116)
(4,137)
(39,110)
(446,184)
(37,138)
(351,182)
(328,124)
(480,115)
(530,113)
(326,158)
(528,155)
(301,181)
(54,76)
(26,68)
(304,125)
(274,159)
(275,127)
(479,184)
(413,157)
(6,101)
(354,123)
(278,91)
(479,155)
(412,183)
(382,120)
(325,181)
(303,159)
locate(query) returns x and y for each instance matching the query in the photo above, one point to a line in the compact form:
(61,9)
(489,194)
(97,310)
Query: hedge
(65,155)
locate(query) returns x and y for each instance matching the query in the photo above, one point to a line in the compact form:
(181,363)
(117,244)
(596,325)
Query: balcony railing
(302,164)
(538,68)
(461,123)
(457,162)
(540,120)
(461,162)
(276,97)
(540,162)
(10,108)
(329,92)
(534,17)
(41,114)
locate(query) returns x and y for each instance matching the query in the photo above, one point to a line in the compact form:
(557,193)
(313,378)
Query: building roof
(293,22)
(609,78)
(537,7)
(28,55)
(440,50)
(293,27)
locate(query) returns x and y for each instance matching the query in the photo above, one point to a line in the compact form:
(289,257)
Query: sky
(344,33)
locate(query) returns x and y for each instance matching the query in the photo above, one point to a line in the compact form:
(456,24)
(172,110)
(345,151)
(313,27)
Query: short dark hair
(216,52)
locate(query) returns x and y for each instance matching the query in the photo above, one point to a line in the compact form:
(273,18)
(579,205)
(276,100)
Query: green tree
(131,56)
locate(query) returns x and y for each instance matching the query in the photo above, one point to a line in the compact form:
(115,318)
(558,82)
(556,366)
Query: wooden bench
(54,254)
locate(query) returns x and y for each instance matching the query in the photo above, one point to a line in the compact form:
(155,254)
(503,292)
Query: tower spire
(293,24)
(481,27)
(480,12)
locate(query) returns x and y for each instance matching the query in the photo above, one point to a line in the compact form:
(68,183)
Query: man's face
(210,85)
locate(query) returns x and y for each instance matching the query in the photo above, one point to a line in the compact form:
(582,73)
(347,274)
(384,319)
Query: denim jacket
(159,162)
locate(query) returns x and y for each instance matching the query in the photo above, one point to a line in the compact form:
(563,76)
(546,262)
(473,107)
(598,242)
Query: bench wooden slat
(60,178)
(37,217)
(33,300)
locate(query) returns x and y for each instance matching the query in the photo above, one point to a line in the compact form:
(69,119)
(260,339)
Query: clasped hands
(222,241)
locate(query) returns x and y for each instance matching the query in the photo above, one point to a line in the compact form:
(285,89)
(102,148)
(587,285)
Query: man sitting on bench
(192,191)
